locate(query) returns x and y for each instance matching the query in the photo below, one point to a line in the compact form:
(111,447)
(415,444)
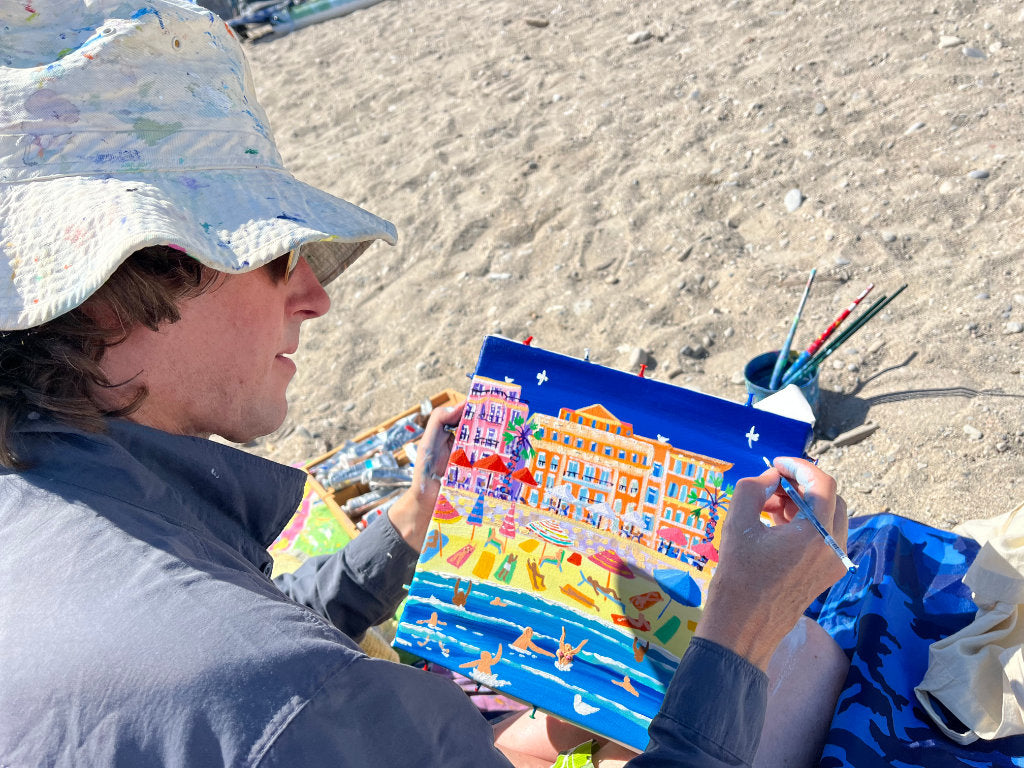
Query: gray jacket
(139,626)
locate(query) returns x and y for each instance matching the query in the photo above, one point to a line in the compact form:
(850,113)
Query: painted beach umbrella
(611,562)
(508,524)
(460,460)
(524,476)
(706,549)
(475,517)
(444,512)
(492,464)
(674,536)
(550,532)
(564,494)
(679,585)
(634,519)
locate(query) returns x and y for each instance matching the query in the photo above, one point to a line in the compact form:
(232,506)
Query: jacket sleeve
(712,714)
(378,713)
(358,586)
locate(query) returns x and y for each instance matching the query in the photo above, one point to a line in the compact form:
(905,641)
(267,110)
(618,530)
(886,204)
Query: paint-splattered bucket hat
(130,124)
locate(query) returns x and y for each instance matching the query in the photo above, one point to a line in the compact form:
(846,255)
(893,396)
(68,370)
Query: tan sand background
(611,176)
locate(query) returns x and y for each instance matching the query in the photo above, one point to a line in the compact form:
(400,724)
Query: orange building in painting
(591,465)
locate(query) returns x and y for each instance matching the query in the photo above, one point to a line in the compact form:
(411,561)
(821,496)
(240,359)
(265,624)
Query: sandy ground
(613,176)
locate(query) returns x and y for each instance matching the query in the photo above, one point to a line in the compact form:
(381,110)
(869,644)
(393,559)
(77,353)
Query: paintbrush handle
(783,358)
(861,321)
(808,513)
(835,323)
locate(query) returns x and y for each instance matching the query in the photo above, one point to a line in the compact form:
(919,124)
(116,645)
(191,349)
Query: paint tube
(386,440)
(387,478)
(344,472)
(360,505)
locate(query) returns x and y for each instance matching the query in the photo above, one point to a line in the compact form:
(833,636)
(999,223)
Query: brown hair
(52,369)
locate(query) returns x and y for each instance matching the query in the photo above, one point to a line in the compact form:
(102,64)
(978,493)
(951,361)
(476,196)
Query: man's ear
(106,318)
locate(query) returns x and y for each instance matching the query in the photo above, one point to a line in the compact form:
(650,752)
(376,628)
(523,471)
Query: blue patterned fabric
(906,593)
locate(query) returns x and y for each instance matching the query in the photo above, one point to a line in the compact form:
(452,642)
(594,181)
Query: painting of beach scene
(576,532)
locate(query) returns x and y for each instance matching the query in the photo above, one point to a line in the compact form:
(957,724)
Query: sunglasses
(281,268)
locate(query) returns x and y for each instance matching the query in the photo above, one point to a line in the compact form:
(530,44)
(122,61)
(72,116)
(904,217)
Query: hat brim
(61,238)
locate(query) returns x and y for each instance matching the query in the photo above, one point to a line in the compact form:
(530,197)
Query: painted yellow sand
(564,575)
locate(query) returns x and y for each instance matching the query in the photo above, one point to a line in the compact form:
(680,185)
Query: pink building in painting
(490,408)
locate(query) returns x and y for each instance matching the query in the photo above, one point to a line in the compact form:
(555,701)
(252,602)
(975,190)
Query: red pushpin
(643,367)
(527,340)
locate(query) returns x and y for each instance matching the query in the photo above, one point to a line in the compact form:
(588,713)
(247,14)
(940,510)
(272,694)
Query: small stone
(973,53)
(728,332)
(639,37)
(950,41)
(876,345)
(820,109)
(1013,327)
(611,280)
(980,173)
(842,261)
(852,367)
(794,199)
(829,235)
(914,128)
(888,237)
(855,435)
(637,358)
(946,187)
(1002,447)
(972,432)
(537,22)
(738,378)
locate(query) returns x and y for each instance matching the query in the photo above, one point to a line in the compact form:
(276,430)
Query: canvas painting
(577,530)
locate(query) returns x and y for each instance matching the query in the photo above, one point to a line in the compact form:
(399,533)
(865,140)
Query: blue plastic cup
(757,375)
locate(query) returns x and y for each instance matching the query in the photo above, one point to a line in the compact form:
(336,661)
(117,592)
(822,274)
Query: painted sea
(585,693)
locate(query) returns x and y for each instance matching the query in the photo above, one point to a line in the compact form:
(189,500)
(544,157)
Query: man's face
(222,368)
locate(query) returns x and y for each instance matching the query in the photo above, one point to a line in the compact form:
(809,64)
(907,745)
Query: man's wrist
(408,520)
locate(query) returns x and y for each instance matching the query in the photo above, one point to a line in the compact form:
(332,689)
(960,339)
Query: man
(156,265)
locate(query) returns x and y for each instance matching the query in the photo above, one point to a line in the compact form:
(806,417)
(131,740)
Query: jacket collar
(215,489)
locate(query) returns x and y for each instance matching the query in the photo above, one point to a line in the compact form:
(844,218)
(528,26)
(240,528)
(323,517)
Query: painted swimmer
(484,663)
(566,653)
(524,643)
(625,683)
(432,622)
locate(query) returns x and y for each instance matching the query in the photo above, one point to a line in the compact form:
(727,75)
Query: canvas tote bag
(978,673)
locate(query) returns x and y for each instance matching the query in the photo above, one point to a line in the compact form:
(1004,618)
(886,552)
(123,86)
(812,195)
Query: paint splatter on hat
(125,125)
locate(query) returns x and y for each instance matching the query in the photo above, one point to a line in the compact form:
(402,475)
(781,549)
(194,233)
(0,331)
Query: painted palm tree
(517,436)
(712,499)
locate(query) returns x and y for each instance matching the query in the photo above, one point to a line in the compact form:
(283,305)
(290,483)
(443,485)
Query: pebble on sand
(979,173)
(794,199)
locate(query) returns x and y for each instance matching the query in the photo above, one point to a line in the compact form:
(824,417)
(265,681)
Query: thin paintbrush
(783,358)
(804,367)
(806,354)
(807,512)
(861,321)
